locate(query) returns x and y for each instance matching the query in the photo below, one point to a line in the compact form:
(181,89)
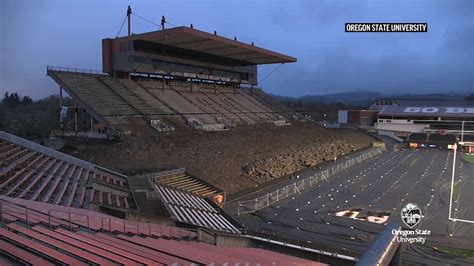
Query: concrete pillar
(60,96)
(84,123)
(61,123)
(75,117)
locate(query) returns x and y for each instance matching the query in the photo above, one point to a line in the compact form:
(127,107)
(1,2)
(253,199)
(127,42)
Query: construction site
(174,154)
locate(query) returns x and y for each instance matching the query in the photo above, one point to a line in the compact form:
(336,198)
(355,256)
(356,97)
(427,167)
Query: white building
(403,120)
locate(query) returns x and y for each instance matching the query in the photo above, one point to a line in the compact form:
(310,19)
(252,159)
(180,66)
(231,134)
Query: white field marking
(452,182)
(461,220)
(451,197)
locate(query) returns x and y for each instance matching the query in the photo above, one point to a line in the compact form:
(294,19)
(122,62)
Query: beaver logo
(411,215)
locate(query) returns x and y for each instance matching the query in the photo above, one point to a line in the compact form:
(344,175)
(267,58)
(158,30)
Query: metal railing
(70,219)
(75,70)
(142,228)
(79,219)
(23,211)
(249,206)
(320,249)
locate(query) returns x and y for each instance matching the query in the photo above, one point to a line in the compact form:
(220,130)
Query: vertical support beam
(61,122)
(191,86)
(215,88)
(251,90)
(163,22)
(163,83)
(235,87)
(92,123)
(60,96)
(84,123)
(75,117)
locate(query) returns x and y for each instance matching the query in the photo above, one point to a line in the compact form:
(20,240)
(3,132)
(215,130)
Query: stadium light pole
(129,12)
(452,181)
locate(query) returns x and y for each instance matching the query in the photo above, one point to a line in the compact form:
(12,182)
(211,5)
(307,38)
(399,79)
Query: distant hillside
(348,98)
(365,98)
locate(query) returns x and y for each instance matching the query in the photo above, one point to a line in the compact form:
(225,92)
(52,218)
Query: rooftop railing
(75,70)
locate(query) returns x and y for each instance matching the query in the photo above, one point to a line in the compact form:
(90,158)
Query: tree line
(24,117)
(13,100)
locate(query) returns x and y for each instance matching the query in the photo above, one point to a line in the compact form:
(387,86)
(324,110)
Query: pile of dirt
(223,158)
(287,163)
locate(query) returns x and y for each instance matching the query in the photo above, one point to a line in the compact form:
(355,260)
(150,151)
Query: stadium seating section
(181,180)
(31,171)
(469,138)
(418,137)
(448,138)
(44,234)
(190,209)
(120,101)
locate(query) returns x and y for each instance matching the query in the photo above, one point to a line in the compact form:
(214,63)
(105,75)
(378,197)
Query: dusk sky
(34,34)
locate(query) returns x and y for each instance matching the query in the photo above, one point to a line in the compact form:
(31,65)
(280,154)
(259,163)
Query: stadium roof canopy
(207,44)
(435,111)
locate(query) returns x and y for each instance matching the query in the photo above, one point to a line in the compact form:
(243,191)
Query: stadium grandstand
(407,119)
(433,140)
(400,118)
(57,209)
(37,233)
(34,172)
(156,79)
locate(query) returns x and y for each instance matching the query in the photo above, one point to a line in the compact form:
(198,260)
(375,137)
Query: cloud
(35,34)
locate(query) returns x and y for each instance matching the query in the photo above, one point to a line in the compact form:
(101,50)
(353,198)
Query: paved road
(382,185)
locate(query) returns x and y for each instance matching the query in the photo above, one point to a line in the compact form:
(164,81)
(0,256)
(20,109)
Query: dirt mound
(290,162)
(233,160)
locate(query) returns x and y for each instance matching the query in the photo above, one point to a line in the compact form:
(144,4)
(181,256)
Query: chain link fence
(249,206)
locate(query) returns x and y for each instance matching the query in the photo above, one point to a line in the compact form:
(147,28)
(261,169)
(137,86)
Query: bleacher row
(207,106)
(182,181)
(46,234)
(190,209)
(35,173)
(119,100)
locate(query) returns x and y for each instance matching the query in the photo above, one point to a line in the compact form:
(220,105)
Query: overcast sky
(34,34)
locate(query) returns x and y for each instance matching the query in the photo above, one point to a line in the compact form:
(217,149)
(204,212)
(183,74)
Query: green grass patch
(457,252)
(468,158)
(456,190)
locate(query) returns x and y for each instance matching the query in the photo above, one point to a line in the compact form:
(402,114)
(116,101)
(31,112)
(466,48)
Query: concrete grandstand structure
(170,76)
